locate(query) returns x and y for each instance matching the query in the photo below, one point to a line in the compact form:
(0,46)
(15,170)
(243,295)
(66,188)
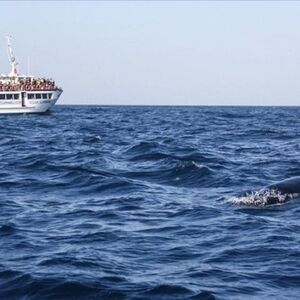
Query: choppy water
(144,203)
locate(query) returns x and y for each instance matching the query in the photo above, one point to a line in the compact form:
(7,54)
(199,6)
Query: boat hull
(29,105)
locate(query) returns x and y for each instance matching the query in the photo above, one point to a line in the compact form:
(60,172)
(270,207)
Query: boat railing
(28,86)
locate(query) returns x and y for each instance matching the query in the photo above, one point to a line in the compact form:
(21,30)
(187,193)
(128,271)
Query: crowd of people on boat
(28,84)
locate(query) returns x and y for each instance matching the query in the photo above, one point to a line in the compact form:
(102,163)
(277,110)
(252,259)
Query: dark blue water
(140,203)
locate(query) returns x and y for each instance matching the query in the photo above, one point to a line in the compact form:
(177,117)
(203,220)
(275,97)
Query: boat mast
(11,58)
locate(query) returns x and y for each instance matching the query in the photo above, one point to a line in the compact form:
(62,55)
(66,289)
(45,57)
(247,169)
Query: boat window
(49,95)
(9,96)
(16,96)
(38,96)
(2,96)
(30,96)
(44,96)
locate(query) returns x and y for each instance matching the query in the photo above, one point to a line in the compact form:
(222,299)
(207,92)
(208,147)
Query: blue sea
(125,202)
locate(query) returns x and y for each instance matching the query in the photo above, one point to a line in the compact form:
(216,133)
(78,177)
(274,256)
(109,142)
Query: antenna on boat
(28,65)
(11,58)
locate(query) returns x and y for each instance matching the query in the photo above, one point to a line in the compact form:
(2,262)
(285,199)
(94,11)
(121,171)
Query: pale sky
(159,52)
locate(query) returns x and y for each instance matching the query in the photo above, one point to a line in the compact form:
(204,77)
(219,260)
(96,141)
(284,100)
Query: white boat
(24,93)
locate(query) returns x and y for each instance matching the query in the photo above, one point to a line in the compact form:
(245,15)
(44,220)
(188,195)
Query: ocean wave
(168,291)
(24,286)
(142,147)
(19,285)
(182,173)
(7,229)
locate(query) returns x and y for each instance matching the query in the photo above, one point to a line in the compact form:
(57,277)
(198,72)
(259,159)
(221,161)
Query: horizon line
(180,105)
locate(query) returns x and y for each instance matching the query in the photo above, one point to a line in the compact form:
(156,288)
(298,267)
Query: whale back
(277,193)
(288,186)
